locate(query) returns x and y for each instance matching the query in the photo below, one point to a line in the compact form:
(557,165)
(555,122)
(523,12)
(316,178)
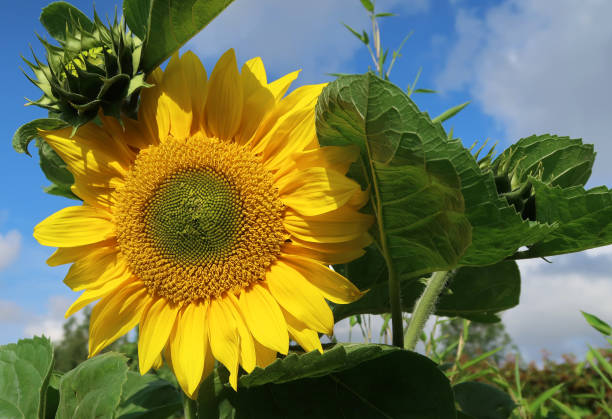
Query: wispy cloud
(10,246)
(538,67)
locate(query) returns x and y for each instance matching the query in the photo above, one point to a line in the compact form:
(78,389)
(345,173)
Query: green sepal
(28,132)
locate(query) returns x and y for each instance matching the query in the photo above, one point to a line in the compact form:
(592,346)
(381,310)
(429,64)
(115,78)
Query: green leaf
(93,389)
(554,160)
(535,405)
(28,132)
(370,381)
(565,409)
(424,91)
(367,4)
(60,18)
(56,171)
(474,293)
(166,25)
(449,113)
(483,401)
(361,37)
(385,14)
(25,368)
(420,208)
(584,219)
(598,324)
(146,396)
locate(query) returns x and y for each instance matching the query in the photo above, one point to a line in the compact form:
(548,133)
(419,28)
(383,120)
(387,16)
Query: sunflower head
(210,222)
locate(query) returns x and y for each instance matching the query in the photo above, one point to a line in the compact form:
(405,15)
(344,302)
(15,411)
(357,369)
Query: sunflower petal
(97,268)
(65,255)
(247,349)
(224,337)
(176,97)
(90,295)
(299,297)
(75,226)
(115,315)
(341,225)
(280,86)
(195,78)
(331,157)
(223,111)
(307,338)
(332,285)
(316,190)
(155,327)
(264,318)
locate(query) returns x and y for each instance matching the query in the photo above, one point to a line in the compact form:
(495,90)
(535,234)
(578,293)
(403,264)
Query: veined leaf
(93,389)
(481,400)
(419,206)
(165,25)
(475,293)
(350,380)
(584,219)
(148,397)
(25,368)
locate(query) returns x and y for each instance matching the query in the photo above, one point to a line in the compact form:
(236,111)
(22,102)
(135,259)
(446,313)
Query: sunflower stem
(397,322)
(190,408)
(424,307)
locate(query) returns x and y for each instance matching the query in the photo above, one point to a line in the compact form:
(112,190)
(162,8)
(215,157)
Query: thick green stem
(190,408)
(397,322)
(424,307)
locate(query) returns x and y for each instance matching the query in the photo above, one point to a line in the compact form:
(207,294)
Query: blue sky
(528,67)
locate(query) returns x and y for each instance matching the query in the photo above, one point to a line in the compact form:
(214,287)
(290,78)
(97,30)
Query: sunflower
(210,222)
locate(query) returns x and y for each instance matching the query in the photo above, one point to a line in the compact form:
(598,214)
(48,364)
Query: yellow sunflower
(209,222)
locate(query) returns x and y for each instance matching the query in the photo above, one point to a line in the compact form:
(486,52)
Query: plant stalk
(424,307)
(397,322)
(190,408)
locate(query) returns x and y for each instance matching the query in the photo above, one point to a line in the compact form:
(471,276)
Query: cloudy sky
(528,68)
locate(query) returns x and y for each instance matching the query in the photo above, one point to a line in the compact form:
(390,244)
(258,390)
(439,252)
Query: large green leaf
(369,381)
(483,401)
(165,25)
(25,368)
(93,389)
(497,229)
(147,396)
(475,293)
(421,220)
(58,18)
(584,218)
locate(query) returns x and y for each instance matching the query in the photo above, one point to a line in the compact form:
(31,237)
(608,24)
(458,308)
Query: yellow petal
(176,97)
(195,78)
(90,295)
(316,190)
(332,285)
(115,315)
(247,349)
(97,268)
(223,111)
(147,109)
(157,322)
(299,297)
(307,338)
(265,356)
(96,196)
(329,253)
(264,318)
(287,114)
(280,86)
(253,75)
(224,337)
(159,362)
(255,107)
(188,344)
(331,157)
(65,255)
(74,226)
(137,134)
(341,225)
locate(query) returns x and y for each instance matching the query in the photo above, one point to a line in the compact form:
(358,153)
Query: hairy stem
(190,408)
(424,307)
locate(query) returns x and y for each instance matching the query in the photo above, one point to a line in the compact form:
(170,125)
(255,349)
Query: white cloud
(51,323)
(290,35)
(10,245)
(10,312)
(538,67)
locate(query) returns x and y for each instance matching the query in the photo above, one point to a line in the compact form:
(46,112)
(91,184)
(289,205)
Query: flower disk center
(194,217)
(198,217)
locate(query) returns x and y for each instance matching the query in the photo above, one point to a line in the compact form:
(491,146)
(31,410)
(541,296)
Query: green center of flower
(194,216)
